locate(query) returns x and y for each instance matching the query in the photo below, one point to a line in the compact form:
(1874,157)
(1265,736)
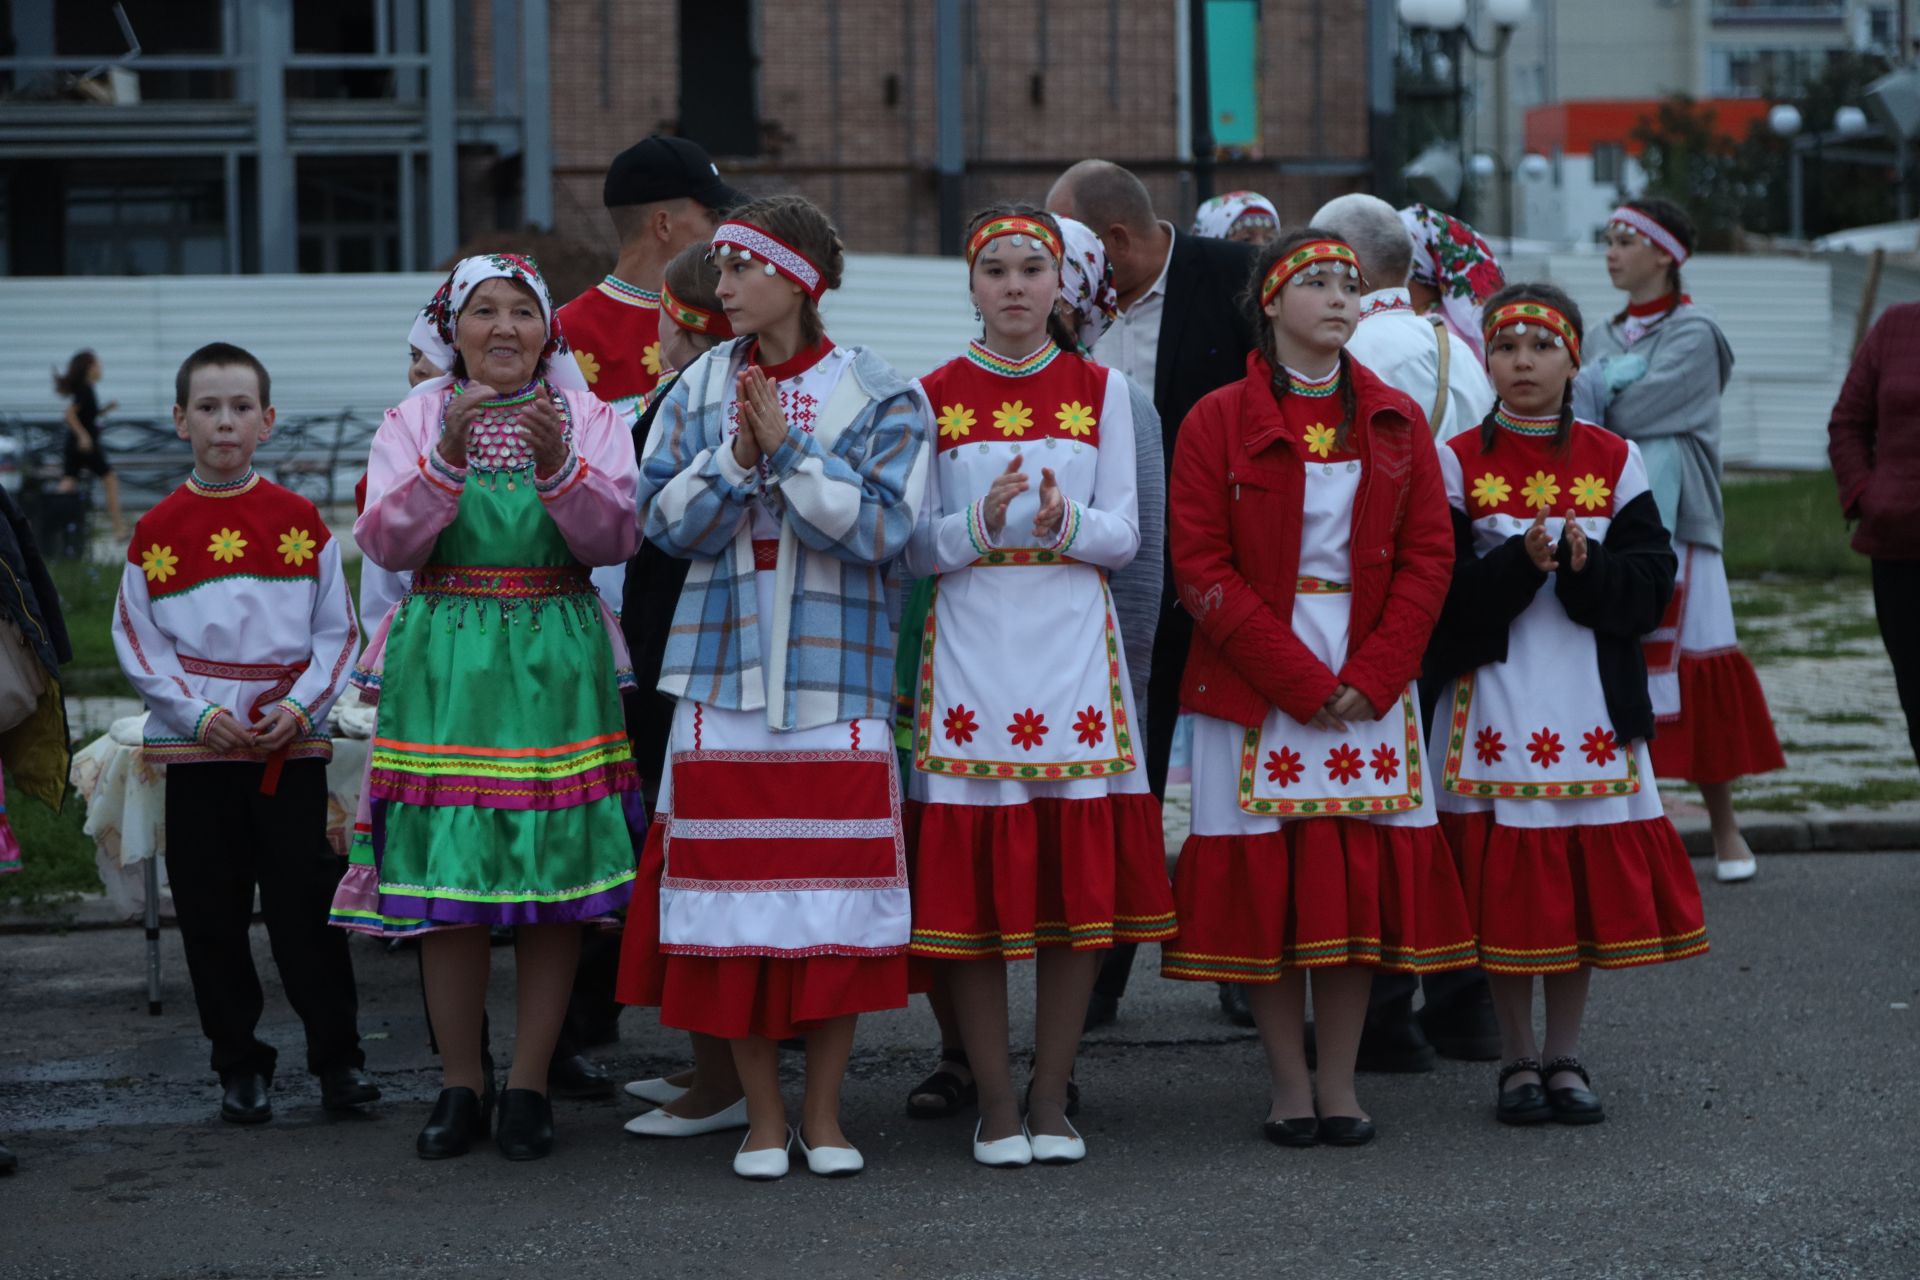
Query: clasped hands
(763,427)
(539,427)
(1010,484)
(275,730)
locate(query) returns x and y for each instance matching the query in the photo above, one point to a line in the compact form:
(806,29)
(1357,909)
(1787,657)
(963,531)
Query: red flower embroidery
(1283,767)
(1460,232)
(1485,278)
(1091,726)
(1489,747)
(1386,764)
(1344,763)
(1600,746)
(1027,729)
(960,724)
(1546,748)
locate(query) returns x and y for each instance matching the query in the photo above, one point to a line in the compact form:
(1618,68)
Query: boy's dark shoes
(1573,1105)
(1394,1045)
(1524,1103)
(1463,1028)
(1233,1003)
(525,1131)
(245,1099)
(578,1076)
(1102,1009)
(344,1088)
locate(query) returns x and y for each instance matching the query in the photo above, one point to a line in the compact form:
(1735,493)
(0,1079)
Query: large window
(349,211)
(719,76)
(1778,10)
(145,218)
(91,29)
(1765,73)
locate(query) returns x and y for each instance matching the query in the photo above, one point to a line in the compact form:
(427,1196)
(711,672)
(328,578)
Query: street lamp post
(1448,19)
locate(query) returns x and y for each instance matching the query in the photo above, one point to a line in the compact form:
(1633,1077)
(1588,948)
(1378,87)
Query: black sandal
(1572,1105)
(1522,1104)
(946,1086)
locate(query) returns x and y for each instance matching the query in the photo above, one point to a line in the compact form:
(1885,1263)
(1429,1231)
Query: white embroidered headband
(1634,220)
(779,257)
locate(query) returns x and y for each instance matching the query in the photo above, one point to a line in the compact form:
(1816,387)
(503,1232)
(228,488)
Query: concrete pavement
(1762,1124)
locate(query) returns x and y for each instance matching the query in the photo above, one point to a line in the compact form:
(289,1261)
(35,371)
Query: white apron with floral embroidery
(1288,769)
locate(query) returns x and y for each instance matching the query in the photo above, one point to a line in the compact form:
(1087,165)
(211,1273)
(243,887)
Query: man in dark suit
(1181,333)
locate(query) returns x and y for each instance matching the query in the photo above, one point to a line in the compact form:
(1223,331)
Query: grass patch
(1788,524)
(1846,717)
(1828,748)
(1874,793)
(57,856)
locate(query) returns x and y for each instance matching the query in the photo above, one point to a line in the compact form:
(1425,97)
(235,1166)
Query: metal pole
(274,177)
(151,870)
(536,117)
(1455,45)
(1202,102)
(1381,31)
(1503,162)
(1796,192)
(950,152)
(443,170)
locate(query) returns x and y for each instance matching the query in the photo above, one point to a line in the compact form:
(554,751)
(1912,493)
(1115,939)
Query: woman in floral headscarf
(1246,216)
(1453,269)
(493,796)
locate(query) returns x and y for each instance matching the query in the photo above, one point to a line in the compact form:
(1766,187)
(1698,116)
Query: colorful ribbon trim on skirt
(558,777)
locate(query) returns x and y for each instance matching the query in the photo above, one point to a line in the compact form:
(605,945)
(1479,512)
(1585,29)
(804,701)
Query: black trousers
(1896,604)
(1170,644)
(224,839)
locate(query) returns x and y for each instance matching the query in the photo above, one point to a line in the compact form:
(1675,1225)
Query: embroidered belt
(766,553)
(1320,587)
(281,677)
(1021,556)
(480,583)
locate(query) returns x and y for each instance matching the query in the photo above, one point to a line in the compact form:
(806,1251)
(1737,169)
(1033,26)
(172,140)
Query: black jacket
(1620,596)
(37,750)
(1205,333)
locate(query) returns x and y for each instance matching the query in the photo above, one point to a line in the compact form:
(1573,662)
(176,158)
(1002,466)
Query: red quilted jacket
(1235,502)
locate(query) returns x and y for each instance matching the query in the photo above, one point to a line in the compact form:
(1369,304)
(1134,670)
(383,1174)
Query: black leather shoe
(1233,1003)
(1346,1131)
(1394,1046)
(8,1161)
(579,1076)
(1524,1103)
(458,1118)
(1464,1028)
(525,1131)
(1295,1131)
(245,1101)
(1573,1105)
(344,1088)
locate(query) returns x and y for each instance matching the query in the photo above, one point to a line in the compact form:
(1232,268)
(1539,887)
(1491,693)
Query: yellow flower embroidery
(651,359)
(1320,440)
(1541,489)
(296,547)
(1591,492)
(589,366)
(955,421)
(1076,419)
(1491,490)
(158,563)
(228,546)
(1013,419)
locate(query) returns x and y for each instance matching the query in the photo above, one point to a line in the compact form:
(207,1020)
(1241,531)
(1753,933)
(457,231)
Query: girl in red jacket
(1313,551)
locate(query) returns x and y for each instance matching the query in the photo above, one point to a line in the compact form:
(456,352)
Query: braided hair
(1546,295)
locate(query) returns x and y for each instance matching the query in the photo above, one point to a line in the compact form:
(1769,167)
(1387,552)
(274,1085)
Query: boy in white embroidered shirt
(234,623)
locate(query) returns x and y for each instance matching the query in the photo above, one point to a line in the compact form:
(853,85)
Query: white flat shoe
(831,1162)
(1048,1149)
(1003,1153)
(1735,870)
(659,1090)
(761,1166)
(661,1123)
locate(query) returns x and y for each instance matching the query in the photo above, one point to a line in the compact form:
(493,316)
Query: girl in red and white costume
(1035,834)
(1547,792)
(1654,375)
(1313,552)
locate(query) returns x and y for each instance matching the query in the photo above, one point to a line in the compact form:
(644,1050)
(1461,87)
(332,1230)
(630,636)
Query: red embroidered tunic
(614,330)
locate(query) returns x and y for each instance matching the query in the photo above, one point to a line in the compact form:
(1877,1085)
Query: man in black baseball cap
(663,194)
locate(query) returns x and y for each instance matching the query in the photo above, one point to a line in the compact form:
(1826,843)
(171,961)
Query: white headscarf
(1086,280)
(1216,218)
(433,328)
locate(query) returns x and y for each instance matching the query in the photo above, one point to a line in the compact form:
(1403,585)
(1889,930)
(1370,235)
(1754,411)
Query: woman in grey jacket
(1654,376)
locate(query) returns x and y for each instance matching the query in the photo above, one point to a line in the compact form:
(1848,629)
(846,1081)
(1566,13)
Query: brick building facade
(846,105)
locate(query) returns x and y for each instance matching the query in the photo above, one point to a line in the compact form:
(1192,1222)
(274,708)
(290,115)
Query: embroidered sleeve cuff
(1069,528)
(300,713)
(440,472)
(569,473)
(977,527)
(206,720)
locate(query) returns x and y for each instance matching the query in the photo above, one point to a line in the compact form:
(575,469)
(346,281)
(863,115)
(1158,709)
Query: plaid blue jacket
(852,489)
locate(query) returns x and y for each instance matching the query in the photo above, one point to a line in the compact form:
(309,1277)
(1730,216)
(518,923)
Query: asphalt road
(1762,1123)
